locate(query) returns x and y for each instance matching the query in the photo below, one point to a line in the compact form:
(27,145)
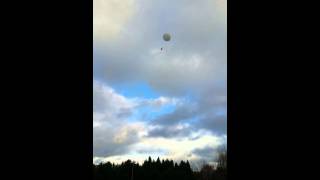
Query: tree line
(160,170)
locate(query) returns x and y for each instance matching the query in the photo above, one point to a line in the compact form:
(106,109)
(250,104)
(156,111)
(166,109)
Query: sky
(147,102)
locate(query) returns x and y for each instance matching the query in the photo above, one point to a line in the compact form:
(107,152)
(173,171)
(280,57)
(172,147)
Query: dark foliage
(159,170)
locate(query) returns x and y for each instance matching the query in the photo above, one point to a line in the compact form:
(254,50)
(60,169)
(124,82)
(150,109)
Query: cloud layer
(189,76)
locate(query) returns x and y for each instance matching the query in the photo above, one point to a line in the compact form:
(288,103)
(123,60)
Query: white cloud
(127,42)
(158,102)
(113,132)
(195,58)
(175,148)
(110,129)
(110,17)
(116,138)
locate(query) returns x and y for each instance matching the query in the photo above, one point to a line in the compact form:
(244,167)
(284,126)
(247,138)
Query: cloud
(115,126)
(183,112)
(180,130)
(195,58)
(216,123)
(206,152)
(112,134)
(180,148)
(173,148)
(105,98)
(158,102)
(109,17)
(189,118)
(117,138)
(204,113)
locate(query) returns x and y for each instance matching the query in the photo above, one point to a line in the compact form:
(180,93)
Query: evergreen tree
(156,170)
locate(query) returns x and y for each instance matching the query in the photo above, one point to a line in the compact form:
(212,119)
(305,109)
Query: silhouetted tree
(158,170)
(221,172)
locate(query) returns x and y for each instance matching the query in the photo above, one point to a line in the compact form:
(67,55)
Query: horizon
(195,166)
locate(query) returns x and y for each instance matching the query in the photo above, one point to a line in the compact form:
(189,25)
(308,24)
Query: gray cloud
(112,137)
(152,150)
(217,124)
(206,152)
(111,133)
(181,113)
(196,56)
(104,145)
(170,132)
(207,112)
(194,65)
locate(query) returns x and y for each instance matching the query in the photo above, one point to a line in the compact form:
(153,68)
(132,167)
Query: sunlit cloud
(180,111)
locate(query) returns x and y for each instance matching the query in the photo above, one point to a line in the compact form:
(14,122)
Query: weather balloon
(166,37)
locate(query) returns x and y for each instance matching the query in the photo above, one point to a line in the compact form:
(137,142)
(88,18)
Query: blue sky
(136,89)
(148,102)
